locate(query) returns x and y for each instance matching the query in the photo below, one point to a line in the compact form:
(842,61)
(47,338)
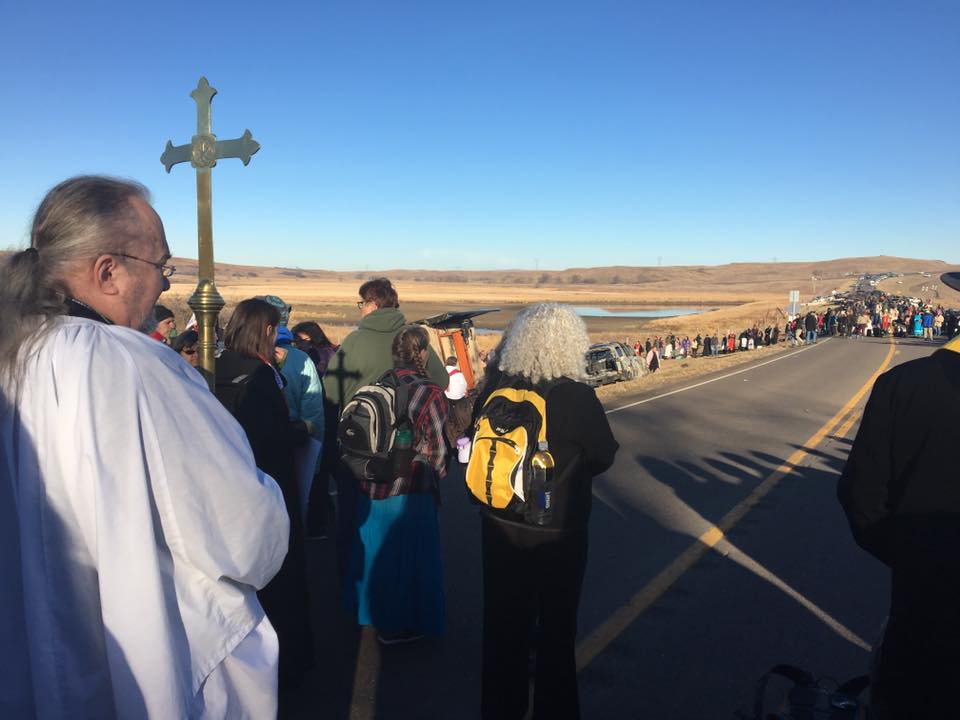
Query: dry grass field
(732,296)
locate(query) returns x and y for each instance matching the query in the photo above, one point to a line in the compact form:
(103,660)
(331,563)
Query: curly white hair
(545,341)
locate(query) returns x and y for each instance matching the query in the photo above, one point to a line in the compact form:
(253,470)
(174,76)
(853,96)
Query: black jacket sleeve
(575,416)
(865,485)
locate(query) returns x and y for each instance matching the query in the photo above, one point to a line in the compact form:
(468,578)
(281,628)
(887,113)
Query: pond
(599,312)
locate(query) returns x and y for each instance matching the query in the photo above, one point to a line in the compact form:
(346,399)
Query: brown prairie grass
(733,297)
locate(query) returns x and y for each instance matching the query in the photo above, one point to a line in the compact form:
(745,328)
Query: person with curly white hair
(532,574)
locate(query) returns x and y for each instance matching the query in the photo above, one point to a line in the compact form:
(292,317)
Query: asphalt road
(717,550)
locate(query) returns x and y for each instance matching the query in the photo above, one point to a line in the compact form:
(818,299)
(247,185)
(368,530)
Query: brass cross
(203,152)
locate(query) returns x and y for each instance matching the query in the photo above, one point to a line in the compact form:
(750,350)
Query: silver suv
(612,362)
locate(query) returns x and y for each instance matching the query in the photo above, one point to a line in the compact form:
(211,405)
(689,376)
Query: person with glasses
(186,344)
(135,527)
(365,353)
(364,356)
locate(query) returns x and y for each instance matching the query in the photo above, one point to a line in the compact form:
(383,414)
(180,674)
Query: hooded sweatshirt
(365,356)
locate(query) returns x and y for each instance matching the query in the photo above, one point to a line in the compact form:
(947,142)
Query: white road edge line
(716,379)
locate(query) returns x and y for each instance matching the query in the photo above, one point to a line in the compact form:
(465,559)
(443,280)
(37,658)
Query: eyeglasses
(165,270)
(360,304)
(191,351)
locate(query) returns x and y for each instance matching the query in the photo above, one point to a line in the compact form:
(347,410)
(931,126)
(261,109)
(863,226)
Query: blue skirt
(394,575)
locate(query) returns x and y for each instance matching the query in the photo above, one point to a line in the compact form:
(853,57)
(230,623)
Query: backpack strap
(507,387)
(401,391)
(403,402)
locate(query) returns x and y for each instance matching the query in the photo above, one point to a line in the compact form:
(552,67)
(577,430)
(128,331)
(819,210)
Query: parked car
(612,362)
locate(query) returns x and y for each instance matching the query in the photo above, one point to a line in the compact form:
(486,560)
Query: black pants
(530,576)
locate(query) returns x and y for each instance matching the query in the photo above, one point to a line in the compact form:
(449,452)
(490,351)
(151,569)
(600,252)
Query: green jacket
(365,355)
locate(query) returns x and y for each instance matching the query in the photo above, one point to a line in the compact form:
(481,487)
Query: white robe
(135,529)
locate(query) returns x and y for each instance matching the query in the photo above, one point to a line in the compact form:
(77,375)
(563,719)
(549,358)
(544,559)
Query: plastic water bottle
(541,485)
(402,453)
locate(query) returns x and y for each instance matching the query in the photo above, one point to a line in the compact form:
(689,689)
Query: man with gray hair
(135,527)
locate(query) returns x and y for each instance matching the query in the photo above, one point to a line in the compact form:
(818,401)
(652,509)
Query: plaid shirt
(427,413)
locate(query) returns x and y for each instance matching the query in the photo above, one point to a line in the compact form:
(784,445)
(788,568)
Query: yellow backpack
(506,435)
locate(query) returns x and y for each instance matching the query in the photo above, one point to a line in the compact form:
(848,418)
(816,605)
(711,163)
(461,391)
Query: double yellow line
(621,619)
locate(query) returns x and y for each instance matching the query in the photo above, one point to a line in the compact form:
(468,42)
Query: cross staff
(203,152)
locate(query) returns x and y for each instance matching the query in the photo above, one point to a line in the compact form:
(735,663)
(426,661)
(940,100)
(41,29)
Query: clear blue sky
(504,134)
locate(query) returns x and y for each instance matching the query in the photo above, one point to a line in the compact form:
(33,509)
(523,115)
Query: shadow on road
(433,679)
(786,584)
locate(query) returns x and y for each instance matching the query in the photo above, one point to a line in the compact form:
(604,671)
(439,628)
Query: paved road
(717,550)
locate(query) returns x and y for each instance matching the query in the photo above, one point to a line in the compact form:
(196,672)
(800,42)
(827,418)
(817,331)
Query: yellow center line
(845,428)
(608,631)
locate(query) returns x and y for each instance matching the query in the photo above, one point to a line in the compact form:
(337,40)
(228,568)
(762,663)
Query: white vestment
(135,529)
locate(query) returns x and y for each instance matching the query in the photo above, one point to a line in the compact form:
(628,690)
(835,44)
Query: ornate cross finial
(204,149)
(203,152)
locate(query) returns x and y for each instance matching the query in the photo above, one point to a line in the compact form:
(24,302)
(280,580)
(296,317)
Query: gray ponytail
(78,220)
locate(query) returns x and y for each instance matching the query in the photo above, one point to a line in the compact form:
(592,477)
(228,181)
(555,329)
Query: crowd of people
(674,347)
(870,315)
(154,520)
(880,315)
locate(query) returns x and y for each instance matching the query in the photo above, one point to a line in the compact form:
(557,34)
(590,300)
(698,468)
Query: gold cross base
(206,303)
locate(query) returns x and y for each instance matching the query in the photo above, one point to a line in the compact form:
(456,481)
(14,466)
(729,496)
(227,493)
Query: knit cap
(280,305)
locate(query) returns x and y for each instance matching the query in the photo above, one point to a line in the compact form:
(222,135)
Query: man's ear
(105,277)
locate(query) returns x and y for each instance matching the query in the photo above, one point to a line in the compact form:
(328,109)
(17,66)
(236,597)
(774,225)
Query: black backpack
(368,425)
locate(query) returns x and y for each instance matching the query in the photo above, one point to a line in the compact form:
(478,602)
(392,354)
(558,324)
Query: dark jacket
(580,441)
(257,402)
(901,493)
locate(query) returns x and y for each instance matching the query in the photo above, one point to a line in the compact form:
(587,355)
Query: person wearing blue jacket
(303,389)
(928,324)
(303,392)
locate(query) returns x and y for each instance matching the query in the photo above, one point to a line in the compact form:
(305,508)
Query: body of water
(599,312)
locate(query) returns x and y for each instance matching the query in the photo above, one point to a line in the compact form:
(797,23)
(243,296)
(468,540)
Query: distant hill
(733,274)
(768,277)
(814,276)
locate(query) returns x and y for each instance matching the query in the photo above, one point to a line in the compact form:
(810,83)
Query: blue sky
(504,134)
